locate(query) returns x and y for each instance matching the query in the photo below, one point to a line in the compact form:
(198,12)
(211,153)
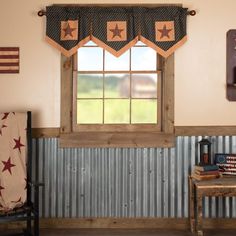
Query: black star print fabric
(68,28)
(163,28)
(116,29)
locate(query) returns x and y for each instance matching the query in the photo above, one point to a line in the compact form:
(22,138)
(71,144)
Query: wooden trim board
(126,223)
(179,131)
(66,94)
(205,130)
(45,132)
(118,139)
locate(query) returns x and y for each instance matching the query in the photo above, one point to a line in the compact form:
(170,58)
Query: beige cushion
(12,160)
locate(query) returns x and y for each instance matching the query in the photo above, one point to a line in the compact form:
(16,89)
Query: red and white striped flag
(9,60)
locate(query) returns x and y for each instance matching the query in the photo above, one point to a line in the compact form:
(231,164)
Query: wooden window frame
(163,138)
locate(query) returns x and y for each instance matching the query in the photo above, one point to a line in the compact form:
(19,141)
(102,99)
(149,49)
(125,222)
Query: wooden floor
(129,232)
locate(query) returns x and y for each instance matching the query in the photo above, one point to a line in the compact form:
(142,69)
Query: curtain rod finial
(192,13)
(41,13)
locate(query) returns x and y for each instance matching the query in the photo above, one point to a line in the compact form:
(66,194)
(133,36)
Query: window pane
(144,111)
(117,63)
(139,43)
(143,58)
(89,111)
(116,111)
(144,85)
(117,86)
(90,43)
(90,59)
(90,86)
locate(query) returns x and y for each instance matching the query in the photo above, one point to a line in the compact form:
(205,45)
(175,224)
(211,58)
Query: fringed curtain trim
(116,29)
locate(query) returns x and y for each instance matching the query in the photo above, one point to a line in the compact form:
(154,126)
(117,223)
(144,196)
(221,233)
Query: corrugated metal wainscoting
(124,182)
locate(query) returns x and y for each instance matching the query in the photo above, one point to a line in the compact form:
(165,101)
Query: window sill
(118,139)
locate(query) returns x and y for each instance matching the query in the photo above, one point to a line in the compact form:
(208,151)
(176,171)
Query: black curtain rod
(43,13)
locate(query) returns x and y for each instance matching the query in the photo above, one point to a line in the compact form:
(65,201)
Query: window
(125,101)
(110,91)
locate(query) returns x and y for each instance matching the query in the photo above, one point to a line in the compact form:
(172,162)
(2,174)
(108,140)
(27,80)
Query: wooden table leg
(199,228)
(191,204)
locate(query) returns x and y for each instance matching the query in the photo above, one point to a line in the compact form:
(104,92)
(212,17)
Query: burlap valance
(116,29)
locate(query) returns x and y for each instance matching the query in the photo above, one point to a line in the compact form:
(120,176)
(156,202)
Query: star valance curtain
(116,29)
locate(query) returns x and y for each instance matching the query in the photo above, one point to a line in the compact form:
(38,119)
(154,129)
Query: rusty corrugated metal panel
(124,182)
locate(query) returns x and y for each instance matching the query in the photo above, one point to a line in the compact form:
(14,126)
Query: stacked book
(206,172)
(226,163)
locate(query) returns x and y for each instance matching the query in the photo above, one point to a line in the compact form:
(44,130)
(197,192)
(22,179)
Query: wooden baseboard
(113,223)
(126,223)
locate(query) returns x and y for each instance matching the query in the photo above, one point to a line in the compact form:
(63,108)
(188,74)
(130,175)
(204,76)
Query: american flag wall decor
(9,60)
(226,163)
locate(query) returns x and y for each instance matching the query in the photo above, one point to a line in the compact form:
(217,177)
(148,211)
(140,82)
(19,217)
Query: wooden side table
(225,186)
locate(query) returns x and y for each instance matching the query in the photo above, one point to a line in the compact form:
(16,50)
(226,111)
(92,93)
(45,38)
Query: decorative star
(7,165)
(18,144)
(164,32)
(3,126)
(116,31)
(1,188)
(6,114)
(69,30)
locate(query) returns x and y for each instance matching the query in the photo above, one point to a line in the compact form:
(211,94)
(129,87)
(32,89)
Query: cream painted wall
(200,97)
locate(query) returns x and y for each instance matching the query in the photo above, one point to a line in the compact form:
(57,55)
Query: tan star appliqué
(69,30)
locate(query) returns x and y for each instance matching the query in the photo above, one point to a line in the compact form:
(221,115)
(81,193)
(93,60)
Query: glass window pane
(143,58)
(117,86)
(89,111)
(90,86)
(116,111)
(144,111)
(139,43)
(90,43)
(144,85)
(90,59)
(116,63)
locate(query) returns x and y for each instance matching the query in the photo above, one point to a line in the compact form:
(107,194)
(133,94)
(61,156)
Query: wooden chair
(19,193)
